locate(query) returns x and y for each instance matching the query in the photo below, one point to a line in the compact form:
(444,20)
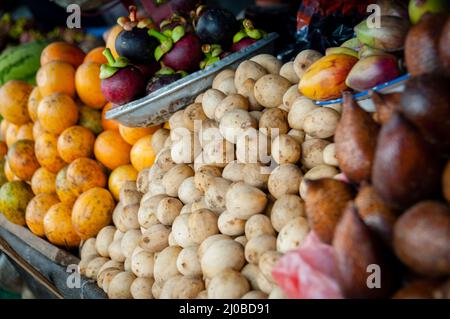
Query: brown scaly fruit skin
(356,249)
(375,213)
(385,105)
(444,45)
(425,103)
(422,238)
(356,139)
(446,182)
(444,292)
(406,168)
(325,201)
(421,45)
(419,289)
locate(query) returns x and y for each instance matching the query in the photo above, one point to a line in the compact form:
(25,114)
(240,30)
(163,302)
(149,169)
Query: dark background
(49,15)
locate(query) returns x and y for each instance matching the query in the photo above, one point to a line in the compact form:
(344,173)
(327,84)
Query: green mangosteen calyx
(113,65)
(167,39)
(165,70)
(212,54)
(174,20)
(248,31)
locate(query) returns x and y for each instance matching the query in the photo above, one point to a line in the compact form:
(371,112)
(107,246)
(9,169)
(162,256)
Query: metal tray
(363,98)
(157,107)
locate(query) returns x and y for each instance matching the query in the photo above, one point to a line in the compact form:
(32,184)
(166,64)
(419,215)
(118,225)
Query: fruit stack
(60,149)
(142,57)
(290,193)
(396,212)
(212,192)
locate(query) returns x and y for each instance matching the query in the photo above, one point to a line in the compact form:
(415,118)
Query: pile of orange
(55,136)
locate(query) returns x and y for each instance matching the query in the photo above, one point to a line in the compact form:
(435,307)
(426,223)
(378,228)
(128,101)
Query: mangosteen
(133,41)
(147,70)
(178,50)
(246,42)
(161,80)
(246,36)
(216,26)
(121,82)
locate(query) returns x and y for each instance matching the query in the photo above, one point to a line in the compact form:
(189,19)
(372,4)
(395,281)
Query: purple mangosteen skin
(242,44)
(124,86)
(148,70)
(160,81)
(185,55)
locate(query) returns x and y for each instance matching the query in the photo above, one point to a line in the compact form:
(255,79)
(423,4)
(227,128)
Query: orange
(109,124)
(43,181)
(96,56)
(22,160)
(75,142)
(14,200)
(36,210)
(58,226)
(8,173)
(3,128)
(111,149)
(38,130)
(11,134)
(3,149)
(118,176)
(83,174)
(62,51)
(14,100)
(63,188)
(142,154)
(91,119)
(132,134)
(87,83)
(92,211)
(57,112)
(33,102)
(56,77)
(111,39)
(25,132)
(47,152)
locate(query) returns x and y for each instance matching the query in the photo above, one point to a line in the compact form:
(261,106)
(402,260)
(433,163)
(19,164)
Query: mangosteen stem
(248,24)
(206,48)
(212,49)
(122,21)
(133,13)
(109,57)
(161,37)
(165,46)
(249,31)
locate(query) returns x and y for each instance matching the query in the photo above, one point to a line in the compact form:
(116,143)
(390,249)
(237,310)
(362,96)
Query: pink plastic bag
(308,272)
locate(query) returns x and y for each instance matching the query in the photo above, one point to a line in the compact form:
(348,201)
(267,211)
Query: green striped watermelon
(21,62)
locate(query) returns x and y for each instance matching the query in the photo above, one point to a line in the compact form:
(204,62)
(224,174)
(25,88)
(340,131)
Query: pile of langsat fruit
(64,161)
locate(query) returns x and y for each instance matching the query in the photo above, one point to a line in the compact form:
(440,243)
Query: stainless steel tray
(157,107)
